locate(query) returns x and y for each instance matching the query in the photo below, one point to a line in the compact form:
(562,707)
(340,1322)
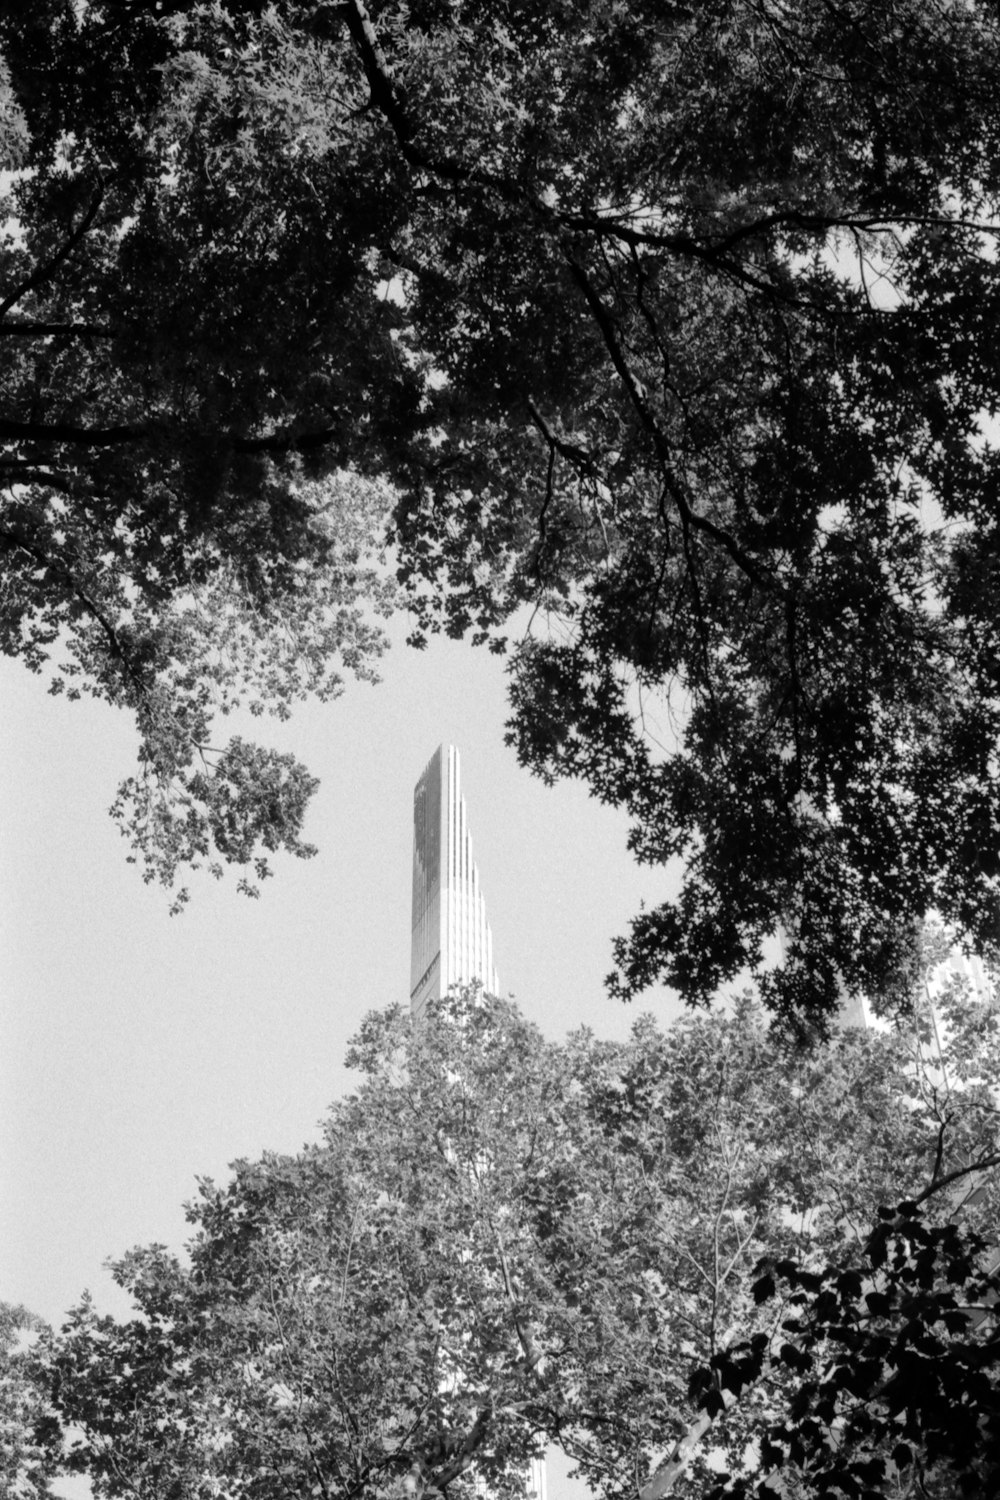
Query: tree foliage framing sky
(673,325)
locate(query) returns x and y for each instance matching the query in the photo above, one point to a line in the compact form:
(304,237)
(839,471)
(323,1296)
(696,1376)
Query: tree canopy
(674,324)
(30,1438)
(503,1243)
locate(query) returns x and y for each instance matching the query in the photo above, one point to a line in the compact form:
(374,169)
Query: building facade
(451,938)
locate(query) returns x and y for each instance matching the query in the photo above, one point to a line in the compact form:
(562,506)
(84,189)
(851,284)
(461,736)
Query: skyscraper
(451,938)
(452,942)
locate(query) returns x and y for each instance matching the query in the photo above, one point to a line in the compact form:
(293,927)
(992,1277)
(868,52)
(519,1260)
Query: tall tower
(452,942)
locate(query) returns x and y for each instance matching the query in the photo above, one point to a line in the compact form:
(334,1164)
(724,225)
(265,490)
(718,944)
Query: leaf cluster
(895,1364)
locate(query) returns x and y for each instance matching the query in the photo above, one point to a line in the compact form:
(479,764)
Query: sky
(140,1051)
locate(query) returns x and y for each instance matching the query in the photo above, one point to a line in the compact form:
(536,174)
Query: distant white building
(452,942)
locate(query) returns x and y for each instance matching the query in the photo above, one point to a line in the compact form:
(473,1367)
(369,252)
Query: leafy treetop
(503,1243)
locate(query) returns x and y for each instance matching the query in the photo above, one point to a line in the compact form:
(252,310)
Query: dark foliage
(675,324)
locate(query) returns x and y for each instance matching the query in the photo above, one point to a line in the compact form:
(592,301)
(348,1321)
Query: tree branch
(471,1443)
(377,72)
(535,1358)
(941,1183)
(30,329)
(675,1464)
(689,517)
(276,443)
(69,432)
(575,455)
(108,437)
(25,471)
(91,606)
(45,272)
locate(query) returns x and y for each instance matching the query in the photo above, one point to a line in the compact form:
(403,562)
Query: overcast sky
(139,1051)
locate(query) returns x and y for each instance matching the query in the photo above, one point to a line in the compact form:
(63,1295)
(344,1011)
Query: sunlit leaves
(504,1242)
(30,1440)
